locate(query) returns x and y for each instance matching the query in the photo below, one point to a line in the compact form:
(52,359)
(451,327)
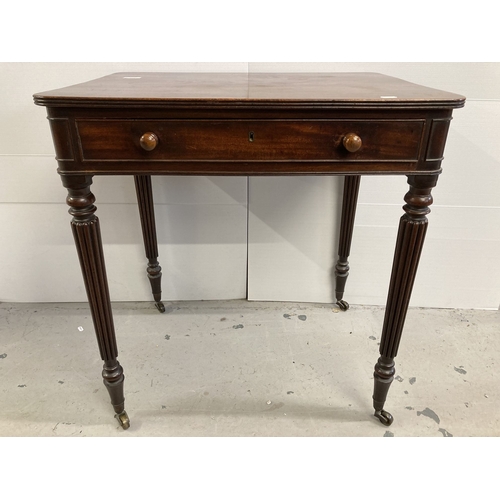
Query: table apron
(391,144)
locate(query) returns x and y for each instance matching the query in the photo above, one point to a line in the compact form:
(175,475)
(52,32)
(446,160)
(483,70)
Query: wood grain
(334,88)
(312,140)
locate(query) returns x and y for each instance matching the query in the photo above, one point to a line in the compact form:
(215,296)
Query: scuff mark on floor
(445,432)
(429,413)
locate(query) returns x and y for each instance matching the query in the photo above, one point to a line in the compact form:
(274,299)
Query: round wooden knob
(352,142)
(148,141)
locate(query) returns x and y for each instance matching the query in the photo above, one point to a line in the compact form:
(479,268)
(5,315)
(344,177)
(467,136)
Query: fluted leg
(85,226)
(351,189)
(411,235)
(146,211)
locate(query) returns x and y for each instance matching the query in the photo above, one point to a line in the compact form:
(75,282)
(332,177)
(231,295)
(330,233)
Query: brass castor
(385,417)
(343,305)
(123,419)
(160,307)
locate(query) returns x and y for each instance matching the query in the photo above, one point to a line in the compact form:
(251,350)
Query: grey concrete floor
(238,368)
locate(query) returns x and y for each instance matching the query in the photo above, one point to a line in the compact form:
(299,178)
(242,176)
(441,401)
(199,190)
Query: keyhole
(250,136)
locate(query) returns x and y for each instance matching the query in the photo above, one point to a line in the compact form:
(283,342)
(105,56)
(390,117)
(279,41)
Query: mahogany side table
(349,124)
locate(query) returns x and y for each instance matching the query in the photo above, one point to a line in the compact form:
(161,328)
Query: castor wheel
(123,419)
(160,307)
(343,305)
(385,417)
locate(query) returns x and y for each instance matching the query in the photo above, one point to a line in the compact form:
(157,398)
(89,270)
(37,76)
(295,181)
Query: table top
(337,89)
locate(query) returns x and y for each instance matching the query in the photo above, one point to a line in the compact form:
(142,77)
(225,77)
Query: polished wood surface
(351,89)
(250,140)
(349,124)
(144,190)
(349,203)
(148,141)
(352,142)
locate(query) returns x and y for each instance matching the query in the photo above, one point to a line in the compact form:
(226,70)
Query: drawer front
(255,140)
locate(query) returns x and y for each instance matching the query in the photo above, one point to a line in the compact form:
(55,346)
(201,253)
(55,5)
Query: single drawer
(250,140)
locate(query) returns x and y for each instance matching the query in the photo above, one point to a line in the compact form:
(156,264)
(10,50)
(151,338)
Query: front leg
(411,235)
(85,226)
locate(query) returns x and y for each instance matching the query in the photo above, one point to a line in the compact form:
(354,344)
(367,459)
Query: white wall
(292,222)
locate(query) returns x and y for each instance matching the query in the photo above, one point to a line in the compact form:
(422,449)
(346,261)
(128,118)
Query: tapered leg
(411,234)
(85,226)
(147,214)
(351,189)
